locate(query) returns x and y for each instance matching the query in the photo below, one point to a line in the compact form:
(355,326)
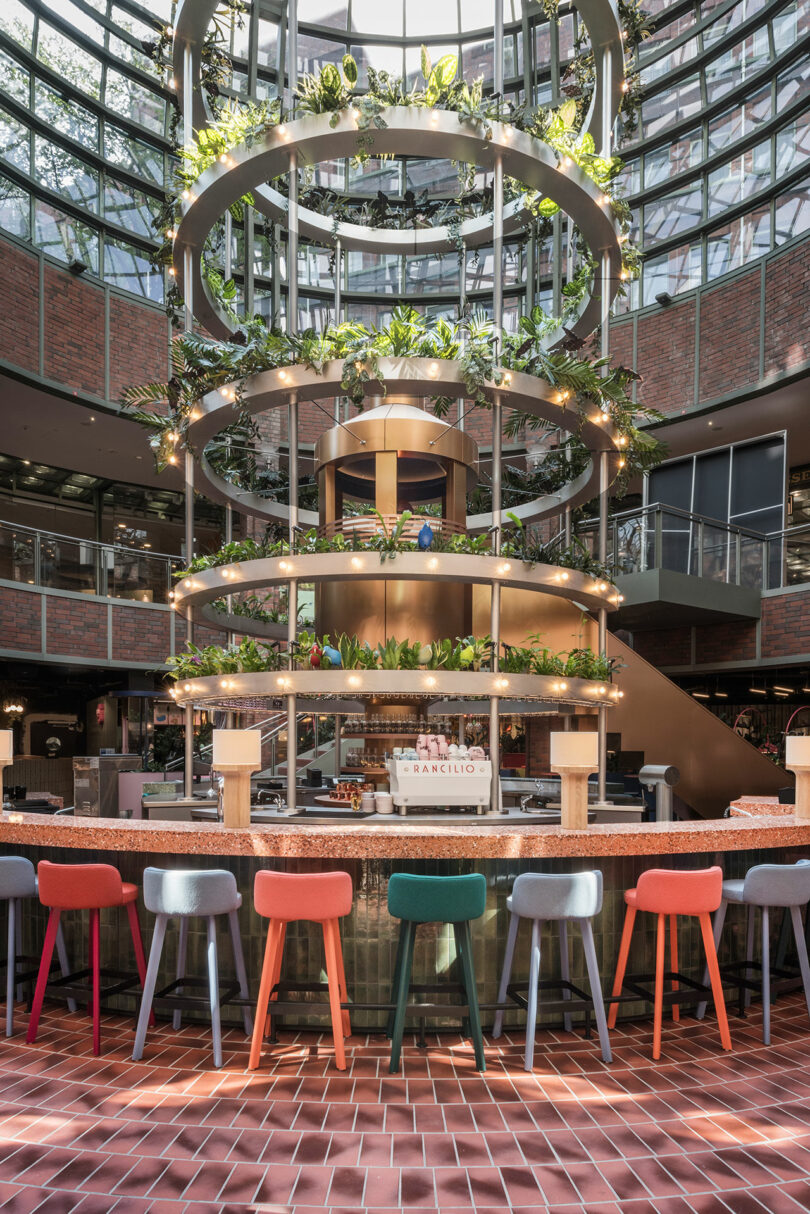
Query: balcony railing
(60,562)
(663,537)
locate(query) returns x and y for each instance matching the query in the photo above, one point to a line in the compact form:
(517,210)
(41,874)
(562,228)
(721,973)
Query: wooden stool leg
(95,966)
(659,986)
(506,972)
(150,982)
(621,964)
(281,936)
(344,993)
(403,986)
(673,960)
(329,927)
(714,976)
(213,989)
(42,976)
(180,968)
(717,932)
(137,944)
(61,953)
(766,977)
(265,987)
(596,988)
(11,964)
(468,970)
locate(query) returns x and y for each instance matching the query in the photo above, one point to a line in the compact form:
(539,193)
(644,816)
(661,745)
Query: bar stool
(764,886)
(668,893)
(17,881)
(554,898)
(186,894)
(89,887)
(311,898)
(417,899)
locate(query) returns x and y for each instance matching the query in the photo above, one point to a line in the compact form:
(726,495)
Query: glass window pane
(673,158)
(64,237)
(132,154)
(792,145)
(69,60)
(15,209)
(792,212)
(670,106)
(758,476)
(131,100)
(15,146)
(66,116)
(711,485)
(793,83)
(132,270)
(18,22)
(14,78)
(678,270)
(324,12)
(65,174)
(130,208)
(673,213)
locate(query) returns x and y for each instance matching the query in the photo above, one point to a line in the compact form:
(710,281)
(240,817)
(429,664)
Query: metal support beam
(604,502)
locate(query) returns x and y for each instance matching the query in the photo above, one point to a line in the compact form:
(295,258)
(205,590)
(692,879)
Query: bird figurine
(425,537)
(333,655)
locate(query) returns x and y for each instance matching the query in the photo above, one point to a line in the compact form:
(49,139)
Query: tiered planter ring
(407,376)
(602,21)
(410,132)
(194,594)
(252,691)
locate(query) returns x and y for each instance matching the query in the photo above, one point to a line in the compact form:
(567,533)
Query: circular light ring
(401,376)
(194,593)
(393,684)
(408,131)
(603,23)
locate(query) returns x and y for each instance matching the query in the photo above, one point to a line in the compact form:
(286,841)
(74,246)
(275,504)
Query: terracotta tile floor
(700,1131)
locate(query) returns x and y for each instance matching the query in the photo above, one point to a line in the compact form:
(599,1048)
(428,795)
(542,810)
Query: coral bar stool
(18,881)
(668,893)
(312,898)
(88,887)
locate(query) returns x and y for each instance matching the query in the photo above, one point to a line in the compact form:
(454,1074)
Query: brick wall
(787,291)
(20,620)
(664,646)
(731,308)
(786,624)
(76,628)
(145,633)
(19,317)
(666,357)
(139,339)
(732,642)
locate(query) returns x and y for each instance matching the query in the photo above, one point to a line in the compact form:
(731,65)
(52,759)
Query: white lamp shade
(577,750)
(6,745)
(797,752)
(237,748)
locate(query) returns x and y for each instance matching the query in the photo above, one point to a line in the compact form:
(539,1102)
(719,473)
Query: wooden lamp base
(574,799)
(802,809)
(235,796)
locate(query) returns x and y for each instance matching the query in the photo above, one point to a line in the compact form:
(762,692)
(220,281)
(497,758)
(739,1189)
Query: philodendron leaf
(441,77)
(568,113)
(350,70)
(426,64)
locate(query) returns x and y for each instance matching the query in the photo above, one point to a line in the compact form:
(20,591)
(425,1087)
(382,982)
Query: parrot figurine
(333,655)
(425,537)
(315,655)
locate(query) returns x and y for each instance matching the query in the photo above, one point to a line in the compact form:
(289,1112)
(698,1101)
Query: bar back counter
(757,832)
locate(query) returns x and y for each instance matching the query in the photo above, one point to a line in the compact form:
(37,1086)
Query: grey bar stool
(18,880)
(185,894)
(550,898)
(764,886)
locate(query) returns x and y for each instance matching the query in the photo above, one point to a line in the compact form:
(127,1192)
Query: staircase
(669,726)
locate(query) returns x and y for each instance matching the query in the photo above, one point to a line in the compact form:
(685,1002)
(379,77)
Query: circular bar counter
(371,853)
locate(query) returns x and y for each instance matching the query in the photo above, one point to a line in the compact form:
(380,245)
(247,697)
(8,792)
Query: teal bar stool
(415,900)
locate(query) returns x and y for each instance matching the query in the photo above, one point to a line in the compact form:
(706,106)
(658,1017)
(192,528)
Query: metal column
(604,468)
(497,317)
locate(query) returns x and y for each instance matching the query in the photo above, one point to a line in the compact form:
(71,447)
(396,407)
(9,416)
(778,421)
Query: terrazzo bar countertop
(759,807)
(404,840)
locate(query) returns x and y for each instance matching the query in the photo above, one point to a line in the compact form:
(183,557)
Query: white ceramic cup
(384,803)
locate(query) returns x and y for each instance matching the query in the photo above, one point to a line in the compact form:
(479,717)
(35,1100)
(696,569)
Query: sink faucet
(268,797)
(524,802)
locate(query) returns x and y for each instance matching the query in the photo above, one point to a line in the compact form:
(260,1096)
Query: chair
(668,893)
(415,900)
(185,894)
(18,881)
(550,898)
(90,887)
(764,886)
(283,898)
